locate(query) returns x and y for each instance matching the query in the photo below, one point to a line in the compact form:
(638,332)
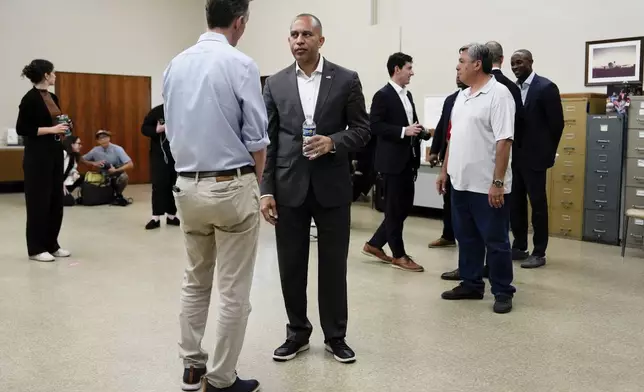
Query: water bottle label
(308,131)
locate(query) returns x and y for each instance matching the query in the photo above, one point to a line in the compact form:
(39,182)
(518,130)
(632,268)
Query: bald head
(315,21)
(496,52)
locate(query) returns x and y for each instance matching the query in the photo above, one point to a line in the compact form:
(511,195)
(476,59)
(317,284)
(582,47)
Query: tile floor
(106,319)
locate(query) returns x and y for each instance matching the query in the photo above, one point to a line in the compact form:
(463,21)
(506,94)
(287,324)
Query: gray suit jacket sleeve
(357,135)
(267,186)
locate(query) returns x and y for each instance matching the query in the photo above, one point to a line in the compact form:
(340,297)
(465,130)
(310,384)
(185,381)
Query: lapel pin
(328,77)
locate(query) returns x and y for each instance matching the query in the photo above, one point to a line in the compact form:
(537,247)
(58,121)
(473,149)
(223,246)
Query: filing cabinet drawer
(601,226)
(569,170)
(602,196)
(573,140)
(567,197)
(634,198)
(635,235)
(605,133)
(574,108)
(635,143)
(565,223)
(604,166)
(636,113)
(635,172)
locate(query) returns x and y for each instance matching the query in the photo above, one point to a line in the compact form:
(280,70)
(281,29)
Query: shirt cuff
(402,134)
(266,195)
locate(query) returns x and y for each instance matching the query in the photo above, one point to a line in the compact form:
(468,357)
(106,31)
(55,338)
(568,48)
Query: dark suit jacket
(519,115)
(544,125)
(149,129)
(439,142)
(339,114)
(33,114)
(388,117)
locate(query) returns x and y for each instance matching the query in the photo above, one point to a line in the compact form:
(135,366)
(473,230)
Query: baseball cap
(102,132)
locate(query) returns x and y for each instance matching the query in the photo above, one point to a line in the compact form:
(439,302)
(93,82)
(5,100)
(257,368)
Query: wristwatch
(497,183)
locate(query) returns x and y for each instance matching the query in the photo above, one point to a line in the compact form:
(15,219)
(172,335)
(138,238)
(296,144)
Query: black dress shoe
(534,262)
(461,292)
(451,275)
(502,304)
(173,222)
(192,378)
(518,254)
(238,386)
(289,350)
(153,224)
(341,351)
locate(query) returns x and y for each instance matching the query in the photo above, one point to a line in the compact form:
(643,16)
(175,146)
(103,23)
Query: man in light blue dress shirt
(216,124)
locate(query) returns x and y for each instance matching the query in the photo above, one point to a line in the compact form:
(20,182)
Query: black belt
(223,173)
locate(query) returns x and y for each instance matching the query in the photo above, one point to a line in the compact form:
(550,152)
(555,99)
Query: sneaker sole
(42,260)
(191,387)
(441,246)
(376,258)
(462,298)
(285,358)
(341,360)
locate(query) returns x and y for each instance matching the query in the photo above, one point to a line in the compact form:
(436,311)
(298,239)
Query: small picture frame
(614,61)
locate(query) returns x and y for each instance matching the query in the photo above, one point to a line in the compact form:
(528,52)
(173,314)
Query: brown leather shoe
(379,254)
(405,263)
(441,243)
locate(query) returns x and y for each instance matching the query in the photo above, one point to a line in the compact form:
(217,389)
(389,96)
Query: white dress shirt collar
(318,69)
(212,36)
(400,90)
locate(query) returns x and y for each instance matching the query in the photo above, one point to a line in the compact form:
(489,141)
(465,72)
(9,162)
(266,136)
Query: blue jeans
(480,229)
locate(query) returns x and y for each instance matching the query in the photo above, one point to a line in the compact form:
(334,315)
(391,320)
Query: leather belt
(219,176)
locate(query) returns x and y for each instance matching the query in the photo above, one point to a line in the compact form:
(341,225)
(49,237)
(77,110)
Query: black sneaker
(518,254)
(502,304)
(239,386)
(534,262)
(173,222)
(192,378)
(462,292)
(153,224)
(451,275)
(341,351)
(289,350)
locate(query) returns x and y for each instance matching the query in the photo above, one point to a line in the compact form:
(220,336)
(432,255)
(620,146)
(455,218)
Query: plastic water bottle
(308,131)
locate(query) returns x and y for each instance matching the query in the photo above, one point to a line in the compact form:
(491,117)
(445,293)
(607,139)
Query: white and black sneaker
(289,350)
(341,351)
(192,378)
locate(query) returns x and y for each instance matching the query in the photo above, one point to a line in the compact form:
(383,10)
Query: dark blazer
(149,129)
(339,113)
(388,117)
(519,115)
(544,124)
(33,114)
(439,141)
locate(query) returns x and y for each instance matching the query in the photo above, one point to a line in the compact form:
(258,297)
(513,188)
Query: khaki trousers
(220,222)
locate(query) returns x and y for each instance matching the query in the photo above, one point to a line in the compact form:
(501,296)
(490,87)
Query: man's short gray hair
(316,21)
(479,52)
(496,51)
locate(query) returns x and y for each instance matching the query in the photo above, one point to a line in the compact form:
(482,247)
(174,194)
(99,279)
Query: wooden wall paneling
(82,97)
(128,100)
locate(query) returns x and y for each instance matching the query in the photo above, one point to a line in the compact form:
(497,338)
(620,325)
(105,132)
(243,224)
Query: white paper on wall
(433,108)
(12,137)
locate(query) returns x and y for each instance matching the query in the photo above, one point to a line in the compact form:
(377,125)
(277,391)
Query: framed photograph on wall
(614,61)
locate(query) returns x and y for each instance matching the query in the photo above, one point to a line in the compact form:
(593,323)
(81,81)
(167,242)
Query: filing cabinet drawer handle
(601,201)
(638,178)
(637,207)
(566,204)
(568,177)
(602,141)
(638,236)
(599,231)
(639,149)
(565,231)
(601,171)
(569,149)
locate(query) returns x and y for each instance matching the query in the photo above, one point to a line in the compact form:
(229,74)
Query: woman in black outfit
(43,162)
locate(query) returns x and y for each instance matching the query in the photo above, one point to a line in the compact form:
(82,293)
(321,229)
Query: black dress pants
(163,177)
(399,200)
(448,228)
(530,183)
(44,171)
(292,237)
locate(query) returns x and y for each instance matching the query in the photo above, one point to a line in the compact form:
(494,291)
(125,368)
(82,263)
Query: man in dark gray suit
(296,188)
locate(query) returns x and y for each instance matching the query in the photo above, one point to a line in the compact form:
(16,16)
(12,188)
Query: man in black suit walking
(544,125)
(296,188)
(436,154)
(395,123)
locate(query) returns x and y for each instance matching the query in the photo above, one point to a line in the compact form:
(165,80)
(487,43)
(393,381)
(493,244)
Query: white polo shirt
(479,121)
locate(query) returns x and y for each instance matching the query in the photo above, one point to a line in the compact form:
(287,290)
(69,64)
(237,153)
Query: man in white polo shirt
(477,159)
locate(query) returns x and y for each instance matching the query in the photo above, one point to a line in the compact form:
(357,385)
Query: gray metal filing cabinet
(634,189)
(604,163)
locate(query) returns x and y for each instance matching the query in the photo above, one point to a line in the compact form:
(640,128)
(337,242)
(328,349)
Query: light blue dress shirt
(525,86)
(215,115)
